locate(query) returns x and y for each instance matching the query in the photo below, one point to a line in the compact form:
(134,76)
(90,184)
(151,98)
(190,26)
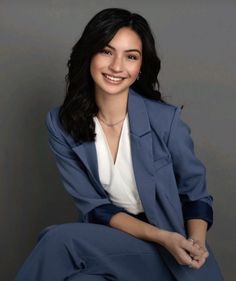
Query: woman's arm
(190,173)
(137,228)
(181,248)
(190,176)
(197,230)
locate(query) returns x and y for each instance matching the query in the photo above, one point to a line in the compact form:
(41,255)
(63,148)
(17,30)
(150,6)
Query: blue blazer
(171,181)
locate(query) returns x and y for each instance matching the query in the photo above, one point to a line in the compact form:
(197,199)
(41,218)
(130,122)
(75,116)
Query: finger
(194,264)
(198,258)
(183,257)
(206,254)
(192,249)
(195,256)
(201,262)
(195,244)
(191,240)
(201,250)
(200,245)
(197,263)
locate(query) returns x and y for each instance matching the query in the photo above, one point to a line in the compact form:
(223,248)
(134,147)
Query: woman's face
(117,66)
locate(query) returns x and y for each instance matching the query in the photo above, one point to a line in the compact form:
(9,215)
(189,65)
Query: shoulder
(159,108)
(55,127)
(52,119)
(161,115)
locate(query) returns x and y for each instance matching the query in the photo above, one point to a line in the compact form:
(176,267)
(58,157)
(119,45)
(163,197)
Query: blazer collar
(138,116)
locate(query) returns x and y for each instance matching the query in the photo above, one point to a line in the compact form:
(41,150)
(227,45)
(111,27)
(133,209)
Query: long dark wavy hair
(79,106)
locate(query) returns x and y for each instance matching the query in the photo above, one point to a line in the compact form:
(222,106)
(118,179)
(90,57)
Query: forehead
(125,38)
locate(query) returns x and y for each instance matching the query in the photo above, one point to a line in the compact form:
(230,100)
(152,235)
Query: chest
(112,136)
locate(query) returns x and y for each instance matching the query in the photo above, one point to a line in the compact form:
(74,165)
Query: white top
(117,178)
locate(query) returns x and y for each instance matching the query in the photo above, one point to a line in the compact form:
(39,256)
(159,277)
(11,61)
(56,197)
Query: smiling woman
(118,63)
(127,159)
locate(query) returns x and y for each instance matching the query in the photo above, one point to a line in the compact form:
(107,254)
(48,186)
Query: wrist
(165,237)
(197,229)
(199,242)
(158,235)
(195,237)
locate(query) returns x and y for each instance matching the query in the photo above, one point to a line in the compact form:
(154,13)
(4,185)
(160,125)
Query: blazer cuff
(102,214)
(198,210)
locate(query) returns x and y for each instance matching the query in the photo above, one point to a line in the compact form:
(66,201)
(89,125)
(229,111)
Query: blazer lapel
(142,155)
(87,154)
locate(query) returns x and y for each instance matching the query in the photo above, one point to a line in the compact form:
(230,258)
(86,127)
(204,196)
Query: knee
(60,233)
(45,232)
(53,235)
(55,240)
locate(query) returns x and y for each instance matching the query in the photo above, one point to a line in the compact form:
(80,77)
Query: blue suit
(171,183)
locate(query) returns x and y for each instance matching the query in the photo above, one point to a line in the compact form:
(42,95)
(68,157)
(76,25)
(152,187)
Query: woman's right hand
(182,249)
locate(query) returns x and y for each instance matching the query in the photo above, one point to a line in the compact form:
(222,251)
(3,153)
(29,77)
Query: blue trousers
(92,252)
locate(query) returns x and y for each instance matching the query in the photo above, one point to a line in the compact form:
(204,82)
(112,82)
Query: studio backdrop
(196,43)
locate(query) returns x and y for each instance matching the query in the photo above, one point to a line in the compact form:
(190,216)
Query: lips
(113,78)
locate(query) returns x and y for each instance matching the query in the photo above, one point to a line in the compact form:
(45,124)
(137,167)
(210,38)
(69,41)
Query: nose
(116,64)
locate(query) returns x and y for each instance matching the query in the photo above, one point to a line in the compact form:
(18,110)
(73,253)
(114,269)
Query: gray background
(196,42)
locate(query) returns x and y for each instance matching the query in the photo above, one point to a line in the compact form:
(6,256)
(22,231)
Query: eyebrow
(126,51)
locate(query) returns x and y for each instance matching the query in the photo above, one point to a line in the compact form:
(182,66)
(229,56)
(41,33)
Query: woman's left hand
(200,259)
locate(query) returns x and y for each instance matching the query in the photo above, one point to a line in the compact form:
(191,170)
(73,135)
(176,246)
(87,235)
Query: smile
(113,78)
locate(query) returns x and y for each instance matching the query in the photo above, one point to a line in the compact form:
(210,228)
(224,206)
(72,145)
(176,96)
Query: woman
(127,159)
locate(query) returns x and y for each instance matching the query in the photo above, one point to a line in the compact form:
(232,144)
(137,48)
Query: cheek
(135,67)
(94,69)
(134,70)
(93,66)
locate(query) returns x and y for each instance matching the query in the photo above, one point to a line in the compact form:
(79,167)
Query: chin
(114,89)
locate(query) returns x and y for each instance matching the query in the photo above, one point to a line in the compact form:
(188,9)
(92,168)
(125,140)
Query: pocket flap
(161,162)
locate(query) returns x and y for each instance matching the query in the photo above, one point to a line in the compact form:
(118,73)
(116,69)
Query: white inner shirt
(117,178)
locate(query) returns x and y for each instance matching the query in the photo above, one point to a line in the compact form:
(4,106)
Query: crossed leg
(88,252)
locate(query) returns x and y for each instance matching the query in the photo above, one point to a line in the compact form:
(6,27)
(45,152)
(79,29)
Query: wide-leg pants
(92,252)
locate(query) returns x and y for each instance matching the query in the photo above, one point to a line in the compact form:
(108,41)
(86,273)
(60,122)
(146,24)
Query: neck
(112,108)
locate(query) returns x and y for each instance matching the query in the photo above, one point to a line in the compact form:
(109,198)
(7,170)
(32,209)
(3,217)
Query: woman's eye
(106,52)
(132,57)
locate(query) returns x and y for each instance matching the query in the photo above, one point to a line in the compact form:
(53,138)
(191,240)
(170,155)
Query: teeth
(113,78)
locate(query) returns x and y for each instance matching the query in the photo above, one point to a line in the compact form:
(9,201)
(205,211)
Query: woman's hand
(197,229)
(186,252)
(199,245)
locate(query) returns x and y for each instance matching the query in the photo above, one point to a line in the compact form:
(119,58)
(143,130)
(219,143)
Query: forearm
(197,229)
(176,244)
(137,228)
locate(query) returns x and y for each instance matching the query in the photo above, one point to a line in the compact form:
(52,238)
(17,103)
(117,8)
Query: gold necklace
(110,125)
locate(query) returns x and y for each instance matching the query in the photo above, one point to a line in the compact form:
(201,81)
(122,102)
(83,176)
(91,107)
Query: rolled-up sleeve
(190,172)
(104,213)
